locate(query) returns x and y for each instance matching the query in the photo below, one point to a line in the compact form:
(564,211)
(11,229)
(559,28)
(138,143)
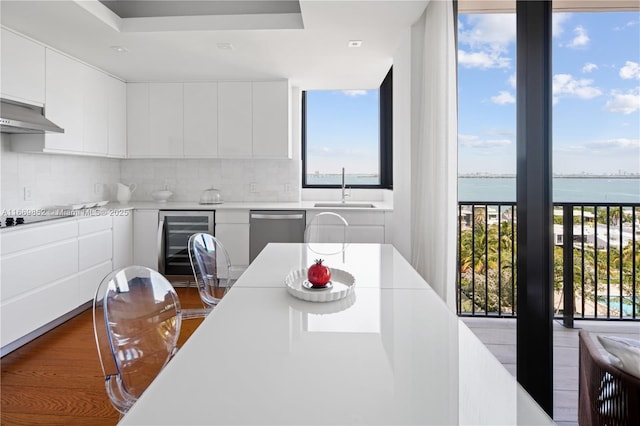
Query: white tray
(342,285)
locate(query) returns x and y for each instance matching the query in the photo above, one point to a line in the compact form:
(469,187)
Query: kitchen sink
(347,205)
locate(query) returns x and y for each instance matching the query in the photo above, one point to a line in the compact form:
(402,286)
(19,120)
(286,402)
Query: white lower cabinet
(232,230)
(123,239)
(48,270)
(364,226)
(145,238)
(89,279)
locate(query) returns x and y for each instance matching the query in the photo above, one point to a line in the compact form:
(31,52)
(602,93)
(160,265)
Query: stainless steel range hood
(16,117)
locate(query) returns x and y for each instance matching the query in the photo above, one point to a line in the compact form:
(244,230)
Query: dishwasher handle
(276,216)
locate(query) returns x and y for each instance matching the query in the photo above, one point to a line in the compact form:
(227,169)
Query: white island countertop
(393,354)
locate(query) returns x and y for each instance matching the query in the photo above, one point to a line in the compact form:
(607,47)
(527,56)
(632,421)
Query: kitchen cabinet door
(123,239)
(138,142)
(64,102)
(145,238)
(235,238)
(364,226)
(200,120)
(271,135)
(235,119)
(22,69)
(117,134)
(95,110)
(165,119)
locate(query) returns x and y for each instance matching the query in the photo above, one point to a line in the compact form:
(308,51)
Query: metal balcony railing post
(567,267)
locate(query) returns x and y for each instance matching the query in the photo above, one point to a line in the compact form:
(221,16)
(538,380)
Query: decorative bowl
(161,196)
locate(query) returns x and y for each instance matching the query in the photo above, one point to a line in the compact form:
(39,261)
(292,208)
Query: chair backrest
(137,319)
(606,394)
(211,267)
(327,227)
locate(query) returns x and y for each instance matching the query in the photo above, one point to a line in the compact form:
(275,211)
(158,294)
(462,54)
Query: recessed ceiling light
(225,46)
(355,43)
(120,49)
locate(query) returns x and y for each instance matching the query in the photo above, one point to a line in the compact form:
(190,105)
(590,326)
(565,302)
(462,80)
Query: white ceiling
(309,47)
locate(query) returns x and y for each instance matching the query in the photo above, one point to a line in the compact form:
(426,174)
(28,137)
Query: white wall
(402,107)
(53,179)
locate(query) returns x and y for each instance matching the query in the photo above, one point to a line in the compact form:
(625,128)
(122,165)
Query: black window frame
(385,111)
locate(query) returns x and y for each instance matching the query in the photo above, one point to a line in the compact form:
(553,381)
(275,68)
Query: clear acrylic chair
(212,271)
(327,227)
(136,319)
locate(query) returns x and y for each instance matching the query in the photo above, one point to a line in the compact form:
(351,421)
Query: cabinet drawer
(28,270)
(38,235)
(89,280)
(235,238)
(93,249)
(25,314)
(232,216)
(94,224)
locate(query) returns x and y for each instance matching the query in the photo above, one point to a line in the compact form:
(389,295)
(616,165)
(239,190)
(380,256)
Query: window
(596,106)
(348,129)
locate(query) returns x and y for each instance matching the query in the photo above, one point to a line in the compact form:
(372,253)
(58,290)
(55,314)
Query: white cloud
(581,39)
(630,70)
(503,98)
(473,141)
(588,67)
(488,37)
(354,92)
(512,80)
(557,20)
(565,84)
(617,143)
(625,103)
(627,25)
(483,60)
(498,30)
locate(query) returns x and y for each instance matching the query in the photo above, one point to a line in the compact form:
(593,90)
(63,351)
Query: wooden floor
(499,335)
(57,380)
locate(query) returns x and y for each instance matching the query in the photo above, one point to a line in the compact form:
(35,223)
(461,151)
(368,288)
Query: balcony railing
(596,260)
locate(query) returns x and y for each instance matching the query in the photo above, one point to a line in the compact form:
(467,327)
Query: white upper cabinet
(271,131)
(200,119)
(22,70)
(117,135)
(95,111)
(87,103)
(138,142)
(235,131)
(230,119)
(65,102)
(165,115)
(154,120)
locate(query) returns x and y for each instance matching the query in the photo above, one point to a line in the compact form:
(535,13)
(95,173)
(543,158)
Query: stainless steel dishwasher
(274,226)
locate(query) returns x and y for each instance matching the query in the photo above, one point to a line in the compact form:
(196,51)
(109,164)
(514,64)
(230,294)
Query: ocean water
(565,190)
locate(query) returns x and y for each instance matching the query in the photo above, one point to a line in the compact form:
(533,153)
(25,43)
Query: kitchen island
(390,353)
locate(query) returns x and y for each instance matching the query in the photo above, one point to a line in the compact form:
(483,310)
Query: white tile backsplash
(234,178)
(53,179)
(66,179)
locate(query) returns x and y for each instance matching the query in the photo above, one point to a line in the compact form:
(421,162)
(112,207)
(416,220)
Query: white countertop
(249,205)
(393,355)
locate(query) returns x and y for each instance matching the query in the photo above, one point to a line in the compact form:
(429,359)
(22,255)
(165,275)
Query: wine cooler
(174,230)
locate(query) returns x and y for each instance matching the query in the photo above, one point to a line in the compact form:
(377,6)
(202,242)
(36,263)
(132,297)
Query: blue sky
(596,93)
(342,124)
